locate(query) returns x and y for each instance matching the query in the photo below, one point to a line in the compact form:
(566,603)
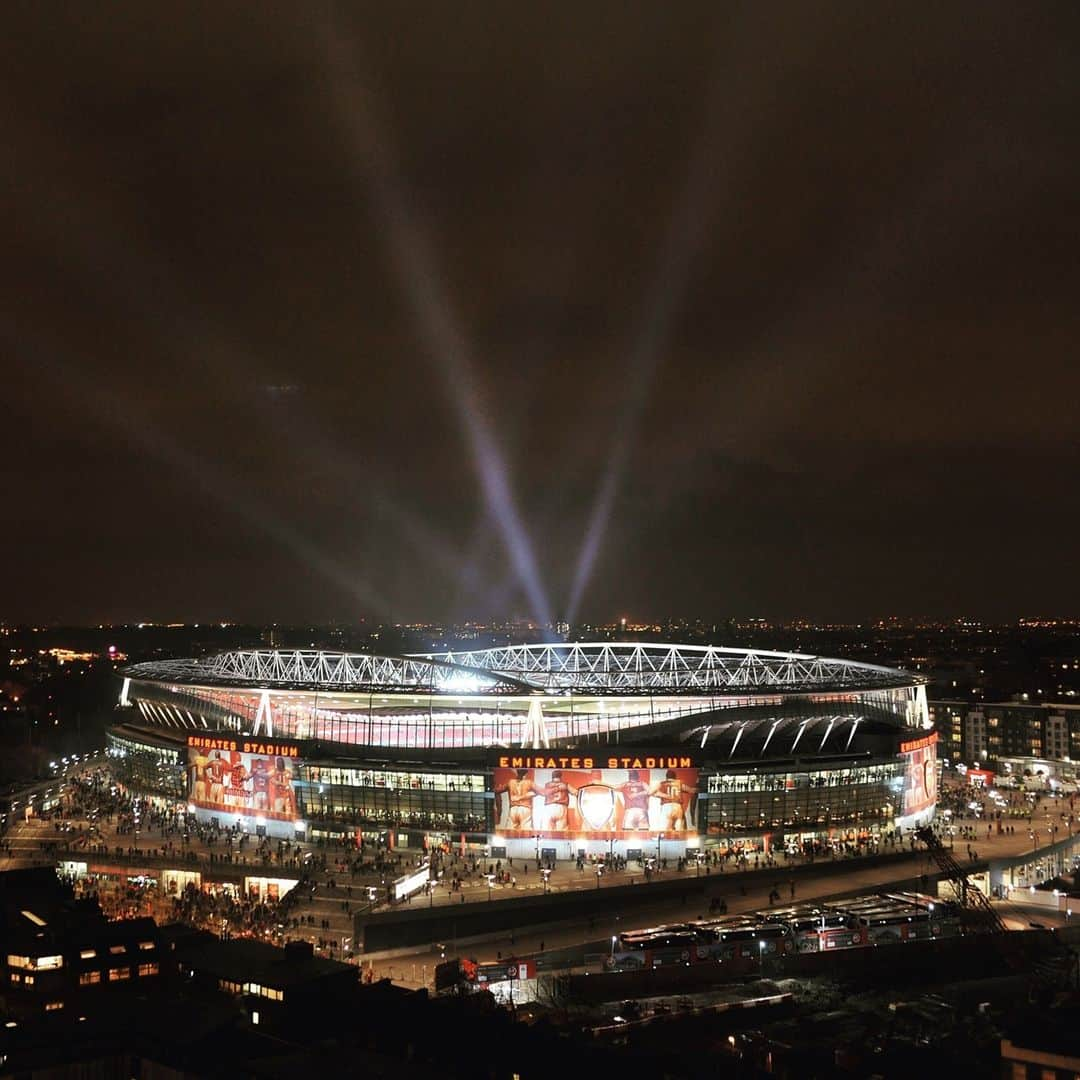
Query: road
(416,967)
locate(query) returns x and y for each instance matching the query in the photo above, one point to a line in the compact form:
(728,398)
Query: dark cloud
(835,249)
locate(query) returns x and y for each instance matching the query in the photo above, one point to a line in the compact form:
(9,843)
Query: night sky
(429,310)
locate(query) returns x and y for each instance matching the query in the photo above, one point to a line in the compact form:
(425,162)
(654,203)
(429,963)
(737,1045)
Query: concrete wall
(417,924)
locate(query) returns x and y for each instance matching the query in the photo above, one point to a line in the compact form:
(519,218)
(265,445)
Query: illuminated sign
(595,761)
(510,969)
(406,886)
(920,774)
(244,746)
(919,744)
(628,799)
(267,888)
(242,776)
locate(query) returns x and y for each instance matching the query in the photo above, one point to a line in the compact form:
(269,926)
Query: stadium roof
(609,668)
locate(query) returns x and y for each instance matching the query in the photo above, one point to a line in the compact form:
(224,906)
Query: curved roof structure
(615,668)
(635,667)
(309,669)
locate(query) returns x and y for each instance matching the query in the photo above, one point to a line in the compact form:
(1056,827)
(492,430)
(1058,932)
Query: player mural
(611,803)
(920,774)
(235,781)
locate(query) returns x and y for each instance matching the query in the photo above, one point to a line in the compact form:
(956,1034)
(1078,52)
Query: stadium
(552,750)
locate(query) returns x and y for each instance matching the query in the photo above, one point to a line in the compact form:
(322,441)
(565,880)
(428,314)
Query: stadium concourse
(129,860)
(628,752)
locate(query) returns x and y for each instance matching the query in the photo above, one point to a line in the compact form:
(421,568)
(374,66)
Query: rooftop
(246,960)
(602,668)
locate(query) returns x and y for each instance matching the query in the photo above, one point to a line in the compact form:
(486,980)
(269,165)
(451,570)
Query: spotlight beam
(415,267)
(689,217)
(93,238)
(109,408)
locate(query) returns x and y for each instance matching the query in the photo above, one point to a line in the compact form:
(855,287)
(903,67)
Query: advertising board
(242,776)
(920,774)
(614,803)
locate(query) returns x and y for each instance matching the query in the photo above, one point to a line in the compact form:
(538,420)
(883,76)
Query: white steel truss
(633,667)
(307,668)
(602,668)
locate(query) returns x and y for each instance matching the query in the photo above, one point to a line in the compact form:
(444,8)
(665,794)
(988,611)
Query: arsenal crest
(596,804)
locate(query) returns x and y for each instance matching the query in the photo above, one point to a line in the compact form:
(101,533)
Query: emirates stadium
(552,750)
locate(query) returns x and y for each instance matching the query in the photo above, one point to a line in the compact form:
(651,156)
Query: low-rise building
(59,949)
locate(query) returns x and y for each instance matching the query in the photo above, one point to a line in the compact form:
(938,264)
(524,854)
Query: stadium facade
(534,750)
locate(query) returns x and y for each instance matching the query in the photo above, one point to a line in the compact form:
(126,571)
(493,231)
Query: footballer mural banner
(920,774)
(563,803)
(242,776)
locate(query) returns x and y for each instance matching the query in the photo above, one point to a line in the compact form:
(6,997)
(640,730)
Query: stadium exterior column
(264,715)
(535,735)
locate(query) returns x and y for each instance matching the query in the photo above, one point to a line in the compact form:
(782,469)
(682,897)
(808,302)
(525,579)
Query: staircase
(979,913)
(1048,972)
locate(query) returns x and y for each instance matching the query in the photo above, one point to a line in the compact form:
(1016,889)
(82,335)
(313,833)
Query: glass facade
(145,767)
(811,801)
(439,721)
(732,804)
(433,800)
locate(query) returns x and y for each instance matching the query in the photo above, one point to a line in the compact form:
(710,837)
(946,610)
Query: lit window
(29,980)
(16,977)
(47,963)
(146,946)
(88,954)
(116,974)
(88,978)
(148,969)
(52,1006)
(18,961)
(115,949)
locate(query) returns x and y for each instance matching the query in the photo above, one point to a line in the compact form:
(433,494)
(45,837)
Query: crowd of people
(228,913)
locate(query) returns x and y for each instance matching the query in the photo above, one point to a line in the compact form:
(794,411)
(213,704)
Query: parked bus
(655,947)
(745,941)
(746,938)
(818,929)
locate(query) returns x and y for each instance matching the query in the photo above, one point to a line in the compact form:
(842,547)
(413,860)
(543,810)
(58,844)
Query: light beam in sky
(415,265)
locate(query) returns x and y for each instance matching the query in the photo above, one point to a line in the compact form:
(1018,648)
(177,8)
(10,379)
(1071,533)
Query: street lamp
(612,946)
(761,956)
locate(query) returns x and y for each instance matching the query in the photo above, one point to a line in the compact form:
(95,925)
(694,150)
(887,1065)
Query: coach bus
(945,915)
(816,929)
(888,922)
(745,938)
(655,947)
